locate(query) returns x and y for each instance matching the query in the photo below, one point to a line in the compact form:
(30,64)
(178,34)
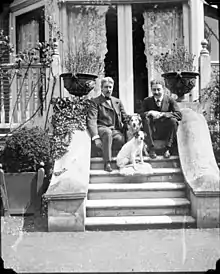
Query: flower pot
(79,84)
(22,191)
(180,83)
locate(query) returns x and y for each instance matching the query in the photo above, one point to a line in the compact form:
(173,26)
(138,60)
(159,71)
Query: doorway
(139,58)
(111,57)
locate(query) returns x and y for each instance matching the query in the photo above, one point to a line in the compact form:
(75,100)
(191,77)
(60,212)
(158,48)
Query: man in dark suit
(161,115)
(105,120)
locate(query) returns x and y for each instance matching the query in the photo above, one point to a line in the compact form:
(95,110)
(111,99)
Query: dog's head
(139,135)
(135,121)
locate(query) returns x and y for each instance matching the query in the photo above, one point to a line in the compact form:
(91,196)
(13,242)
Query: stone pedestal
(205,208)
(66,214)
(68,188)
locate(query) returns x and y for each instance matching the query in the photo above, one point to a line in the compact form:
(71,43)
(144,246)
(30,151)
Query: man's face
(157,90)
(107,89)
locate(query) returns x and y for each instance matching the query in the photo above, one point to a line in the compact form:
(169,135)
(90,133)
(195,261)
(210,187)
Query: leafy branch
(69,115)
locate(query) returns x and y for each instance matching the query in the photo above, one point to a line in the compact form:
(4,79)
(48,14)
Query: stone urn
(180,83)
(79,84)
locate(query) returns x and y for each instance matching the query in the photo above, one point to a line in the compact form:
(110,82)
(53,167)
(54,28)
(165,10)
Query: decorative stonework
(204,66)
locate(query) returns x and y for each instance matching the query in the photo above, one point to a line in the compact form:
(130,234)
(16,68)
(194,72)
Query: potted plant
(178,70)
(83,67)
(26,160)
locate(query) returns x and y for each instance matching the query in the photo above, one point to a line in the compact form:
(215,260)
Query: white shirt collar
(108,101)
(160,99)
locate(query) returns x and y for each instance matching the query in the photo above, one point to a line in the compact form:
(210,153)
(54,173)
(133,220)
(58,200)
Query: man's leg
(118,139)
(171,138)
(168,129)
(147,127)
(105,134)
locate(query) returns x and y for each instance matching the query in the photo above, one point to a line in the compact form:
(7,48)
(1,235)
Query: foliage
(215,136)
(211,93)
(69,115)
(83,61)
(25,149)
(49,12)
(211,96)
(6,46)
(176,59)
(41,53)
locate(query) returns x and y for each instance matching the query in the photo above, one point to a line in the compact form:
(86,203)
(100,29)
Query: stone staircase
(116,202)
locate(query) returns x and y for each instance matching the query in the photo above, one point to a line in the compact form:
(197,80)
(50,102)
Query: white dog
(127,155)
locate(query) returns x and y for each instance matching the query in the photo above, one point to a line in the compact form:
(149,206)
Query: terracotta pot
(79,84)
(180,83)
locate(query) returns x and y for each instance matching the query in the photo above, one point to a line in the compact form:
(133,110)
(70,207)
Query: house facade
(126,34)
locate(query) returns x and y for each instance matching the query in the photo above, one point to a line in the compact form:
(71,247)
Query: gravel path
(150,250)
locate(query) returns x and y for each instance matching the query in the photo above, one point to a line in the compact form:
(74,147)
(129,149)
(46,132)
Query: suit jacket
(168,105)
(102,114)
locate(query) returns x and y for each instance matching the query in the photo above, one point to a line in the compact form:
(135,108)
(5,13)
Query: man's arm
(91,120)
(145,108)
(174,110)
(123,113)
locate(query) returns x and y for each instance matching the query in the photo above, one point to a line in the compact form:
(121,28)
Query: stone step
(159,162)
(159,175)
(138,222)
(134,191)
(138,207)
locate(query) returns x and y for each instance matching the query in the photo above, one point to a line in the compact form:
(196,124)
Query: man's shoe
(152,154)
(107,167)
(167,154)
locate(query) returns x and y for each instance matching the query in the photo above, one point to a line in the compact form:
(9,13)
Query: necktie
(158,103)
(108,100)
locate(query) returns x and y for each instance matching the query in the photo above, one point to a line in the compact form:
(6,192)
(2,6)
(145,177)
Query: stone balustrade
(199,168)
(68,188)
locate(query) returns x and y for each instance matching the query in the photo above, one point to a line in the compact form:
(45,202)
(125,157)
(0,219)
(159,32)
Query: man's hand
(98,143)
(155,114)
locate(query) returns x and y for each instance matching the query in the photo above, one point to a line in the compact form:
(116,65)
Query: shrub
(211,94)
(216,144)
(25,149)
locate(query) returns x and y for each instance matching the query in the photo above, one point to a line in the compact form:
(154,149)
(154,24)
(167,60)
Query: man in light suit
(161,115)
(105,120)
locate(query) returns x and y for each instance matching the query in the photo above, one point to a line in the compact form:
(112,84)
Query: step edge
(101,204)
(139,186)
(115,172)
(139,220)
(158,159)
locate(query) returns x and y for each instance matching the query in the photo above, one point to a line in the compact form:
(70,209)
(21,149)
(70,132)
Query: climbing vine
(69,115)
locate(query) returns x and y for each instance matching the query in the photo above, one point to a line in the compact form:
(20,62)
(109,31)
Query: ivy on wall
(69,115)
